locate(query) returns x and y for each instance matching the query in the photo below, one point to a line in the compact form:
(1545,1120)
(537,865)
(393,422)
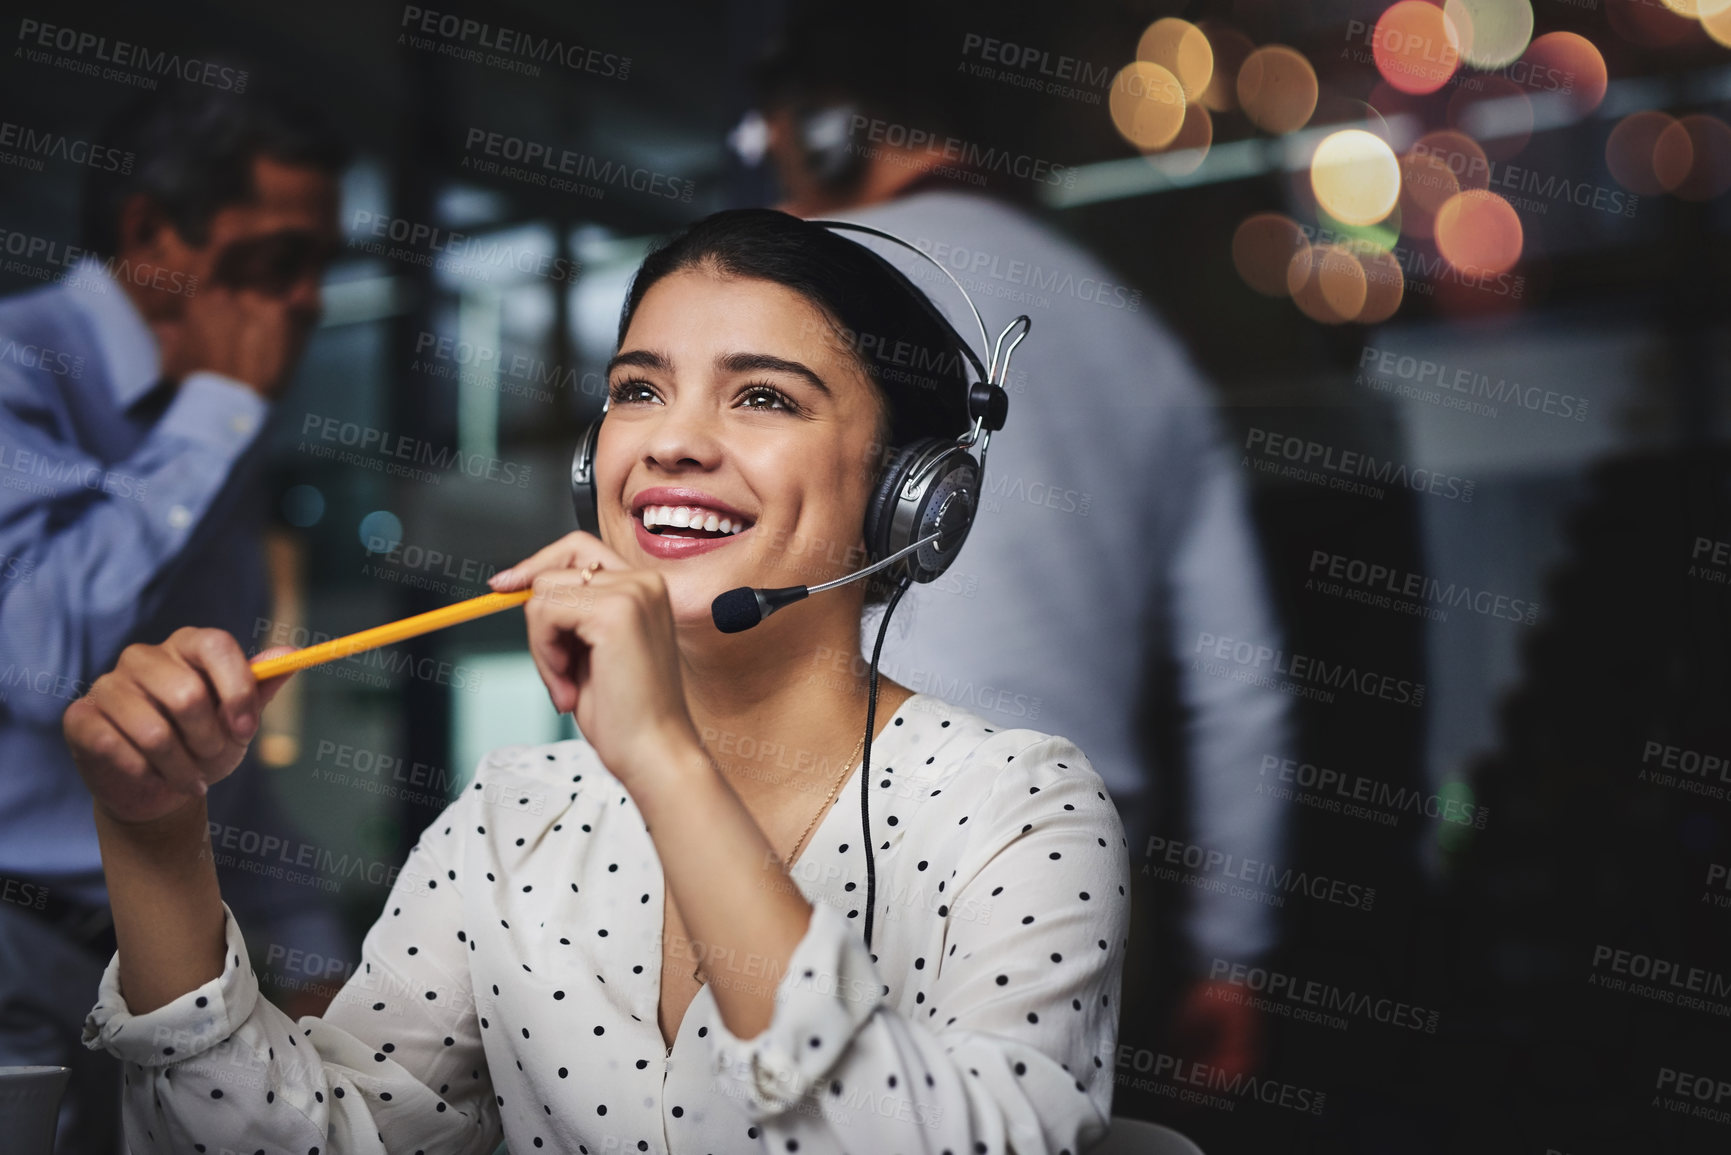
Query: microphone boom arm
(875,567)
(740,609)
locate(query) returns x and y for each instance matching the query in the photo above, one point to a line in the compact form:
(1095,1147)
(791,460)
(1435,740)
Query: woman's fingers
(270,687)
(573,551)
(590,608)
(551,664)
(168,720)
(220,661)
(560,554)
(181,695)
(555,615)
(552,617)
(89,730)
(135,713)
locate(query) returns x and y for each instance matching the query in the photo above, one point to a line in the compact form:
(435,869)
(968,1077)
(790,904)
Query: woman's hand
(606,649)
(168,721)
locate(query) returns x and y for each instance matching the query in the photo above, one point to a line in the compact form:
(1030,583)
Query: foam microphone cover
(744,607)
(736,610)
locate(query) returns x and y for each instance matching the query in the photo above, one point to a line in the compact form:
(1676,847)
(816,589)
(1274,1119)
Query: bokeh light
(303,505)
(1717,24)
(1416,46)
(1355,177)
(1190,147)
(1566,63)
(1493,33)
(1385,286)
(1629,151)
(1327,284)
(1277,88)
(1460,152)
(381,531)
(1263,248)
(1698,9)
(1229,47)
(1673,157)
(1692,157)
(1478,232)
(1147,105)
(1426,184)
(1182,49)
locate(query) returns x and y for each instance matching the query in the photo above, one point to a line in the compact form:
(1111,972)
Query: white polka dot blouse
(510,988)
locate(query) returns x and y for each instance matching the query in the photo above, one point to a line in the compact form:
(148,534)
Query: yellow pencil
(386,634)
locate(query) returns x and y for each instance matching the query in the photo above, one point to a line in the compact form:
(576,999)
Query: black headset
(929,486)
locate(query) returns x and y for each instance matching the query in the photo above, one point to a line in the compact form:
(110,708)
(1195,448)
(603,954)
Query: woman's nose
(684,436)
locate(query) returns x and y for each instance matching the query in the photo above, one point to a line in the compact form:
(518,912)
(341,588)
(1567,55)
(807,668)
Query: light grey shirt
(1114,525)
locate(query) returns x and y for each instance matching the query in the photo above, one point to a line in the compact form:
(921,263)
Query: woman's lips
(671,546)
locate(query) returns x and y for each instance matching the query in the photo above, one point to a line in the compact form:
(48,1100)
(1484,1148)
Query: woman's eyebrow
(730,362)
(642,359)
(763,362)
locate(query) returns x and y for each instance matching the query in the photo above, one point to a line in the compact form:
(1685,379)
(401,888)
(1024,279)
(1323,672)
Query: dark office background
(1581,862)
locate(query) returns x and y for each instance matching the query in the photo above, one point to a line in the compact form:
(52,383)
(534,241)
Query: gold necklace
(810,826)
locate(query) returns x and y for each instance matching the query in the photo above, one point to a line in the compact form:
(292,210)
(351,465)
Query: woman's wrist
(167,830)
(167,906)
(667,766)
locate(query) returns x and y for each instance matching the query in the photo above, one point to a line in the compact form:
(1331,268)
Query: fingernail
(245,725)
(503,576)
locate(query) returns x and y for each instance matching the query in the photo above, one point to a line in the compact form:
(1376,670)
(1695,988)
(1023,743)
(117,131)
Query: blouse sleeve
(1009,1046)
(390,1066)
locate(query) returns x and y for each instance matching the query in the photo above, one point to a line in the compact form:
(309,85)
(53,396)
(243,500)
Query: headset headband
(987,401)
(984,372)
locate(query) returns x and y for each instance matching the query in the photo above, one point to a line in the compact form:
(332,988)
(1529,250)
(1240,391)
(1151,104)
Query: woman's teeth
(691,517)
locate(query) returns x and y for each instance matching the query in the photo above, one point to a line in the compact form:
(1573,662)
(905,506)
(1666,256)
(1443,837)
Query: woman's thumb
(269,688)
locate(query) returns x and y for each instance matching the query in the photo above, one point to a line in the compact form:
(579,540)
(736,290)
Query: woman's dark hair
(905,347)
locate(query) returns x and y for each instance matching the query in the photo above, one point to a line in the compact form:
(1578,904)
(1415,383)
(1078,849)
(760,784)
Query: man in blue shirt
(132,397)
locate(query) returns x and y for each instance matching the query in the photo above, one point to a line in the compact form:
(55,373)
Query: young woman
(680,880)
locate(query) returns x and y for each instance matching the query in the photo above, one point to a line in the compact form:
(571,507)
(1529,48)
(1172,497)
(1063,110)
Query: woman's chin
(693,607)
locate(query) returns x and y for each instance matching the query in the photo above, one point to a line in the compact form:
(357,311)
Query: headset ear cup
(880,514)
(946,501)
(946,497)
(583,501)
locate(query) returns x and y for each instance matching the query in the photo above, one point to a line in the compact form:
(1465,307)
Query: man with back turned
(1114,531)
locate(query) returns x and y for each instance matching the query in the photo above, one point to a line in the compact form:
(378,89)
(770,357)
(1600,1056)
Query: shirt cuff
(215,410)
(830,989)
(190,1025)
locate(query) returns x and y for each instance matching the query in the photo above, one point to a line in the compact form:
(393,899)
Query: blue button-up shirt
(128,508)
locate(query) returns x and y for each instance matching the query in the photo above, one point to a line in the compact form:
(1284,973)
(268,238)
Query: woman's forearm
(167,908)
(740,907)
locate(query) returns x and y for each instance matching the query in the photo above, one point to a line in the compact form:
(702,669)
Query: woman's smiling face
(735,401)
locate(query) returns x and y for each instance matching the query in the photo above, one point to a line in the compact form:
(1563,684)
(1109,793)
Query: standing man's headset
(919,514)
(822,135)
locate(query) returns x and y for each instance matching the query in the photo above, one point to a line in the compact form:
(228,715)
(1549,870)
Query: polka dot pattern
(519,999)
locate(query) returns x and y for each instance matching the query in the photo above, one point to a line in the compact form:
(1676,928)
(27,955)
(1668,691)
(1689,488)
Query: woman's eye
(765,397)
(627,392)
